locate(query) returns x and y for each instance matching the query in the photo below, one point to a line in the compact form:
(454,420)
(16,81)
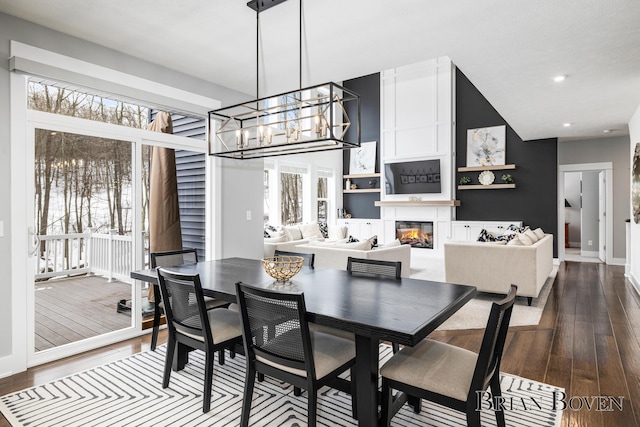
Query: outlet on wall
(248,215)
(590,242)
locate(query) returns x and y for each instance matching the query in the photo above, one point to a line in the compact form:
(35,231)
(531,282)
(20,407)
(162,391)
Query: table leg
(367,380)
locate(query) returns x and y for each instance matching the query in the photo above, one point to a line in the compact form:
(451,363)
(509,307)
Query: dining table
(374,309)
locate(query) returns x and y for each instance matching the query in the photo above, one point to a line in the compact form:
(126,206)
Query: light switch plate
(1,228)
(248,215)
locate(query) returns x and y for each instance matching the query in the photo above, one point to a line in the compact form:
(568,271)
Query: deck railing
(105,254)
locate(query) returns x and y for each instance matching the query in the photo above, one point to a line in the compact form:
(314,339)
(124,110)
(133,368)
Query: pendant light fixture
(304,120)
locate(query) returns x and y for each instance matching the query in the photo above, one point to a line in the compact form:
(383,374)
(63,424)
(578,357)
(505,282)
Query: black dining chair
(169,259)
(449,375)
(190,323)
(309,259)
(294,354)
(375,268)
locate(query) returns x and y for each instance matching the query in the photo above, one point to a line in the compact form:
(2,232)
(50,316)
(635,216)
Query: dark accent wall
(533,201)
(368,87)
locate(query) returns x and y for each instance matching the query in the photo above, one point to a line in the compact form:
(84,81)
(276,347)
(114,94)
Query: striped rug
(129,393)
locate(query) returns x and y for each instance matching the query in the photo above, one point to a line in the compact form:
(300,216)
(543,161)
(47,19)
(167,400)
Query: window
(267,201)
(292,194)
(324,182)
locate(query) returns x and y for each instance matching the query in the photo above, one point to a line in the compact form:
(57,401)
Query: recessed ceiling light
(559,78)
(566,125)
(607,130)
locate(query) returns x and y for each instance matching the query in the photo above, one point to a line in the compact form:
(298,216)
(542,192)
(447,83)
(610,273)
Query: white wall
(15,29)
(634,137)
(614,150)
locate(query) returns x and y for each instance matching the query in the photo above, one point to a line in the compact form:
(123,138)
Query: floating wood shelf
(418,203)
(362,190)
(363,175)
(485,187)
(485,168)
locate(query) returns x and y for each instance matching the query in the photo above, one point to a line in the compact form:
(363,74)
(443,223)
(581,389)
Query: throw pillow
(486,236)
(514,228)
(505,237)
(292,232)
(515,241)
(323,229)
(337,232)
(530,234)
(539,233)
(310,230)
(278,239)
(525,240)
(373,241)
(352,239)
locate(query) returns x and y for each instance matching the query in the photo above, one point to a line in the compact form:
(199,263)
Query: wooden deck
(72,309)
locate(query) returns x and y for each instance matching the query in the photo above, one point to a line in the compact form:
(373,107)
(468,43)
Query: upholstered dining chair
(294,354)
(309,259)
(192,324)
(449,375)
(168,259)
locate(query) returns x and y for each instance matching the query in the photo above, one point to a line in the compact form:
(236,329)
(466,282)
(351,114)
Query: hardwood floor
(588,341)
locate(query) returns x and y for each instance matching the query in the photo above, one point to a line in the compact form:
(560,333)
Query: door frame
(607,167)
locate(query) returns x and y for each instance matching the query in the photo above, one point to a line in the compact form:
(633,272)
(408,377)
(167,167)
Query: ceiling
(510,49)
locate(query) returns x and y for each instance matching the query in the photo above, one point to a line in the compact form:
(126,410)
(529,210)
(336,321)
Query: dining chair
(190,323)
(169,259)
(294,354)
(449,375)
(309,259)
(375,268)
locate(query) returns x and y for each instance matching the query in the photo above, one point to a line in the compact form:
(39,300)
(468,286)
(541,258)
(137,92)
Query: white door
(602,213)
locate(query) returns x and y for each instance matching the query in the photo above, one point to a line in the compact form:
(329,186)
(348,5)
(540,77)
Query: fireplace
(418,234)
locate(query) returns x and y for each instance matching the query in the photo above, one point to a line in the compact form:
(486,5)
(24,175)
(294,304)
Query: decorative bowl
(282,267)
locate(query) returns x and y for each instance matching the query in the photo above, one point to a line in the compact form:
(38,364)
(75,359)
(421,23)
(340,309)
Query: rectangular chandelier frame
(314,118)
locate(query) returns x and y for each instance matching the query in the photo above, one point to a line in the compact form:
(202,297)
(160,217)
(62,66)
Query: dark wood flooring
(588,341)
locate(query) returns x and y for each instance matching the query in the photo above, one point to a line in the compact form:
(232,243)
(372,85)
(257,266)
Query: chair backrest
(308,258)
(184,307)
(374,267)
(495,334)
(171,258)
(275,327)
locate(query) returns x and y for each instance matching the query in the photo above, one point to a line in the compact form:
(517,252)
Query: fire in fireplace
(418,234)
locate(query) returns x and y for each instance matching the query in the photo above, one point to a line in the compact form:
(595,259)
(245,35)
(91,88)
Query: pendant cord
(300,44)
(258,53)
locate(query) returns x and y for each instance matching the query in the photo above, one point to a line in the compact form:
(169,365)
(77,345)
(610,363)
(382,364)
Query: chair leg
(396,347)
(260,377)
(168,361)
(249,382)
(354,393)
(496,392)
(156,317)
(208,380)
(473,417)
(312,405)
(221,357)
(385,415)
(529,300)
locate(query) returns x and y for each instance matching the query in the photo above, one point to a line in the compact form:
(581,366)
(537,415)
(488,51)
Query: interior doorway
(584,198)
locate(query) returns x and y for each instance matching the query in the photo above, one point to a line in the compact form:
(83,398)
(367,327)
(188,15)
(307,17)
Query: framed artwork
(363,159)
(486,146)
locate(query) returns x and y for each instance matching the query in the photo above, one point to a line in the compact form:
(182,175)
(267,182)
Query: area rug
(129,393)
(475,313)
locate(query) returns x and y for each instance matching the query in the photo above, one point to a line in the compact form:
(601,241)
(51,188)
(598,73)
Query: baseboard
(634,282)
(618,261)
(5,362)
(592,254)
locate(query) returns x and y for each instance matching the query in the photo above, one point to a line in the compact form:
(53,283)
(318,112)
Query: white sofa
(290,236)
(492,267)
(336,256)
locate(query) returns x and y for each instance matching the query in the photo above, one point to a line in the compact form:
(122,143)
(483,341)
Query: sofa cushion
(310,230)
(531,235)
(292,232)
(538,232)
(278,239)
(336,232)
(365,245)
(391,244)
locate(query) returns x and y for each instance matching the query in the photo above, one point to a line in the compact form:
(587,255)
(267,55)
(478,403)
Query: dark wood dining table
(403,311)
